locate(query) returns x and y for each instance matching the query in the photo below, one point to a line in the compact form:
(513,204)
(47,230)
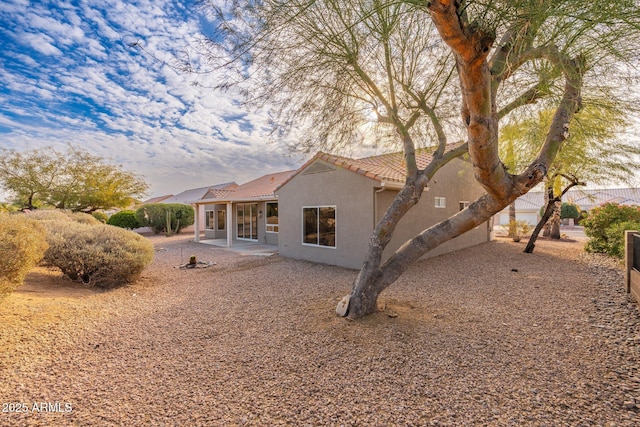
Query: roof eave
(235,200)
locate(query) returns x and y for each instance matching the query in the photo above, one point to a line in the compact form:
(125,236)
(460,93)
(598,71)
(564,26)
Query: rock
(343,306)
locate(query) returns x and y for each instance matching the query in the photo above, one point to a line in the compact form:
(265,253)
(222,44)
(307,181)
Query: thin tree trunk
(549,210)
(555,221)
(512,220)
(543,221)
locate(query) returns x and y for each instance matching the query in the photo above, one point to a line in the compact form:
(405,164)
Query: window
(319,226)
(221,222)
(208,220)
(247,221)
(464,205)
(272,217)
(441,202)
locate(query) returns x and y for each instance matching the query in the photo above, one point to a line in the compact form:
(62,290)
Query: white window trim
(335,240)
(248,239)
(266,217)
(217,219)
(206,217)
(465,204)
(440,202)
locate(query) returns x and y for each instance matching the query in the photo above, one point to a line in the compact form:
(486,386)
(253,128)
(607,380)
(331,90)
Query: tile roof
(384,167)
(188,196)
(263,187)
(156,199)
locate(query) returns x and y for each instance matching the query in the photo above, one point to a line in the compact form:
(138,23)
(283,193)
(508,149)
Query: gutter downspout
(375,203)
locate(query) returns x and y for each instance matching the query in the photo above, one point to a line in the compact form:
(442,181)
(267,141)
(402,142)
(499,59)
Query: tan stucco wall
(456,183)
(350,193)
(354,195)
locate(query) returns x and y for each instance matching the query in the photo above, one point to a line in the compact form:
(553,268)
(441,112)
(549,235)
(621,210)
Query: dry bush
(63,215)
(22,246)
(48,215)
(84,218)
(98,255)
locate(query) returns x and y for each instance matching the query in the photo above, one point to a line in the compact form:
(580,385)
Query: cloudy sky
(70,75)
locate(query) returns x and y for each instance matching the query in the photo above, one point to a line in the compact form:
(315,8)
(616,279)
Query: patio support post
(229,224)
(196,228)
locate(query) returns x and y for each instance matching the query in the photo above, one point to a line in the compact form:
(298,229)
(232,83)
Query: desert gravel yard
(485,336)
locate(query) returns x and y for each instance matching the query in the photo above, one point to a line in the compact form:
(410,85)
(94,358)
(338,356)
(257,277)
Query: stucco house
(247,212)
(329,207)
(187,196)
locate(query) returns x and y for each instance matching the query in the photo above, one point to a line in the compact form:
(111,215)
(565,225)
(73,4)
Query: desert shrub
(606,224)
(100,216)
(98,255)
(517,229)
(83,218)
(48,215)
(63,215)
(615,237)
(22,246)
(165,217)
(124,219)
(567,210)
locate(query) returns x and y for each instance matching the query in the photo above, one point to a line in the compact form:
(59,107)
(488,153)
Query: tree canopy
(427,73)
(598,151)
(74,180)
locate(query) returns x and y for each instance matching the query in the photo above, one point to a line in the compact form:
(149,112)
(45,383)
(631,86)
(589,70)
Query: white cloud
(126,104)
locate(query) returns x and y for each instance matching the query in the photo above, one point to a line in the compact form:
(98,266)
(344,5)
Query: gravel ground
(485,336)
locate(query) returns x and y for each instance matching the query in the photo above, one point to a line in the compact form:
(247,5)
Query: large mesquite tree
(425,73)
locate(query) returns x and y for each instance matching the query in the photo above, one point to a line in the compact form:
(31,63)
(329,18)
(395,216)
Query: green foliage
(615,237)
(100,216)
(22,246)
(165,217)
(124,219)
(97,255)
(75,180)
(8,207)
(605,227)
(569,210)
(594,151)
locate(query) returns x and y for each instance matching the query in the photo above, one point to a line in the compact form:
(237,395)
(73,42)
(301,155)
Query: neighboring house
(330,206)
(247,212)
(528,206)
(158,199)
(188,196)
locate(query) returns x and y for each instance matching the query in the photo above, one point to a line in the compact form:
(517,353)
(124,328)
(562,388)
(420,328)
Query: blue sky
(69,75)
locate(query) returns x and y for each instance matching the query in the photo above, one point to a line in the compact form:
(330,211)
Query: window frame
(443,203)
(335,228)
(224,220)
(271,228)
(463,204)
(208,221)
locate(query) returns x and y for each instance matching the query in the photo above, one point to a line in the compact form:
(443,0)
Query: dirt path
(486,336)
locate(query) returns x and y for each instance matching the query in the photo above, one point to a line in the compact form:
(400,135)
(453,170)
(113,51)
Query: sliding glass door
(247,221)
